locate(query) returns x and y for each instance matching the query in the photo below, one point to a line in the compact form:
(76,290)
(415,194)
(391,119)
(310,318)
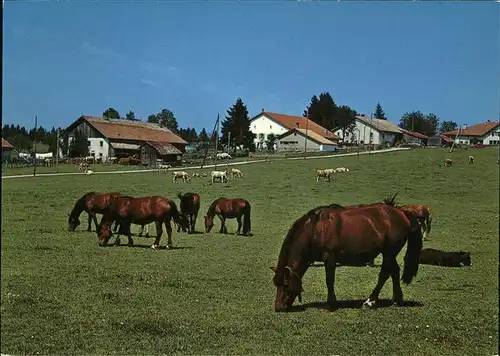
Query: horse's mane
(79,205)
(391,201)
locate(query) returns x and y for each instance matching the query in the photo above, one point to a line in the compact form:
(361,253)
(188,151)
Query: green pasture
(213,294)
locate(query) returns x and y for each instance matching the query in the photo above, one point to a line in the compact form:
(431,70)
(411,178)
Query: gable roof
(120,129)
(310,135)
(6,144)
(164,148)
(415,134)
(379,125)
(475,130)
(290,122)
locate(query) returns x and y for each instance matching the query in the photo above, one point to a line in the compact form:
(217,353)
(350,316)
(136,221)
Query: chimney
(262,110)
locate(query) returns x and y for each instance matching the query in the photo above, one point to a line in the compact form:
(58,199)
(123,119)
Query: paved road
(207,166)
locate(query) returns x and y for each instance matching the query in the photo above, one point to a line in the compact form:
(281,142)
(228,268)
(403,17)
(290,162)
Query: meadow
(213,293)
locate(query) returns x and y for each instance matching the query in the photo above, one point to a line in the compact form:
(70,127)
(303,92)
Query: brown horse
(91,203)
(190,206)
(347,236)
(141,211)
(226,208)
(423,214)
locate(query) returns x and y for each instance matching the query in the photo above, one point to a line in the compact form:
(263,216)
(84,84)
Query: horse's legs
(330,266)
(159,231)
(129,234)
(193,222)
(382,278)
(147,230)
(397,293)
(239,225)
(423,226)
(168,227)
(222,225)
(141,230)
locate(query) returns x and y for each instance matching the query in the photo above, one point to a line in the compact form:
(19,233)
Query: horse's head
(104,232)
(288,287)
(73,222)
(209,223)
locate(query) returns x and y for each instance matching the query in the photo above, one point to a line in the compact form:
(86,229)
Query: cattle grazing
(221,175)
(140,211)
(226,208)
(430,256)
(341,170)
(180,174)
(356,235)
(163,167)
(190,206)
(321,173)
(236,173)
(471,159)
(448,162)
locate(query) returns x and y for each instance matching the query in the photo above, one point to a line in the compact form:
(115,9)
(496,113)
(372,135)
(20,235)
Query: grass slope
(62,294)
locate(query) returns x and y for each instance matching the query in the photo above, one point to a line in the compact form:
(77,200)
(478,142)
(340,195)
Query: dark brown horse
(190,206)
(423,214)
(347,236)
(226,208)
(140,211)
(91,203)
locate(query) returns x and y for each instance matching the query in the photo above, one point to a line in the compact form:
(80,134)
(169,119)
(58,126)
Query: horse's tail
(179,195)
(428,223)
(247,224)
(412,256)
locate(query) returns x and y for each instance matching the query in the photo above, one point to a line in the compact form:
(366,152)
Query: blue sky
(65,59)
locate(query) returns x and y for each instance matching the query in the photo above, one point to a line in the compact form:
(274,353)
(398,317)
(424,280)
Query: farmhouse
(295,140)
(439,141)
(122,138)
(6,150)
(374,131)
(267,123)
(413,137)
(487,133)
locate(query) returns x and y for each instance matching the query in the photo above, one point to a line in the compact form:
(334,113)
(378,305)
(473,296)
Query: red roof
(6,144)
(120,129)
(415,134)
(475,130)
(290,122)
(445,138)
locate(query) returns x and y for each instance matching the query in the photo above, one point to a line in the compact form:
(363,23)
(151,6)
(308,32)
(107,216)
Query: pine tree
(379,113)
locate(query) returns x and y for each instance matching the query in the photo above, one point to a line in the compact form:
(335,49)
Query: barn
(160,152)
(6,150)
(439,141)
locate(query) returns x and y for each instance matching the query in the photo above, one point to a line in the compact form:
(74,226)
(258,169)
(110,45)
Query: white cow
(180,174)
(163,167)
(341,170)
(222,175)
(224,155)
(236,173)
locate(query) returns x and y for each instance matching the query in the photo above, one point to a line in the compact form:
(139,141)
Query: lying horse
(141,211)
(190,206)
(226,208)
(336,235)
(430,256)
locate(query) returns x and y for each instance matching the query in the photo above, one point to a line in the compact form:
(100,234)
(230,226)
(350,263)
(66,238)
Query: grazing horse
(423,214)
(222,175)
(430,256)
(322,173)
(347,236)
(235,172)
(91,203)
(180,174)
(141,211)
(164,167)
(471,159)
(226,208)
(190,206)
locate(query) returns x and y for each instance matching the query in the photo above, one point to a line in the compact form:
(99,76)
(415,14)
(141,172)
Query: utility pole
(34,147)
(57,152)
(228,141)
(216,139)
(305,142)
(370,140)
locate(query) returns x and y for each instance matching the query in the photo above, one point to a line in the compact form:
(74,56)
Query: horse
(236,173)
(423,214)
(83,166)
(222,175)
(341,170)
(430,256)
(356,235)
(190,206)
(448,162)
(180,174)
(141,211)
(224,155)
(226,208)
(164,167)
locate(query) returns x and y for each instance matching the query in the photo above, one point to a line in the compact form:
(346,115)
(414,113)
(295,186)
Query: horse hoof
(369,303)
(153,246)
(168,247)
(398,303)
(147,235)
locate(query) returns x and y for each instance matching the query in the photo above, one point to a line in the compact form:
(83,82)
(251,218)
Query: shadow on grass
(317,265)
(149,246)
(352,304)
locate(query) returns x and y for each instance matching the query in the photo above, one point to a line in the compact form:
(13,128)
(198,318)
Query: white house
(487,133)
(295,140)
(266,123)
(370,130)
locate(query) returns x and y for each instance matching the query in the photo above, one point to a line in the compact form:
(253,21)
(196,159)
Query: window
(102,143)
(254,126)
(89,142)
(100,155)
(270,127)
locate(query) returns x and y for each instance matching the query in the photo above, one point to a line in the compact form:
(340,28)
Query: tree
(447,126)
(345,119)
(79,146)
(203,137)
(153,119)
(111,114)
(379,113)
(322,111)
(165,118)
(418,122)
(130,116)
(271,140)
(237,124)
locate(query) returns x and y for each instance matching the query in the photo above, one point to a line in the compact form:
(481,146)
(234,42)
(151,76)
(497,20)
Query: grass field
(62,294)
